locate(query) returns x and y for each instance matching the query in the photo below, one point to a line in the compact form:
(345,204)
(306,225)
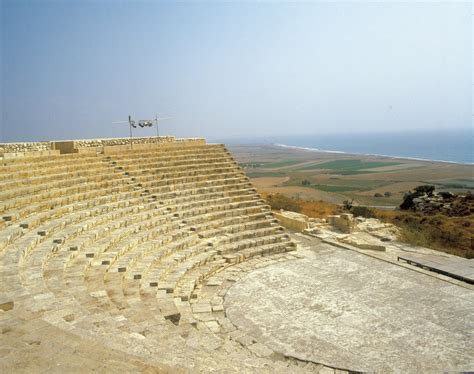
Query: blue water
(441,145)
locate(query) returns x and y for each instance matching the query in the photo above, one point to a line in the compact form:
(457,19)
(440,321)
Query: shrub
(449,234)
(305,182)
(387,194)
(362,211)
(425,189)
(347,204)
(378,194)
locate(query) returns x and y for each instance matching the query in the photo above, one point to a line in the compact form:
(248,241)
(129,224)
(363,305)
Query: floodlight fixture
(141,123)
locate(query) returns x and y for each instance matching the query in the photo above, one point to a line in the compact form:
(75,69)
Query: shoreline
(371,154)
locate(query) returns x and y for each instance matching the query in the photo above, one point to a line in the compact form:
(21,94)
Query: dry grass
(318,209)
(313,209)
(453,235)
(266,182)
(303,193)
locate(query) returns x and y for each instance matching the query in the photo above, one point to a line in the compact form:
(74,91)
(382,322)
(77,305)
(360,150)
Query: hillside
(318,183)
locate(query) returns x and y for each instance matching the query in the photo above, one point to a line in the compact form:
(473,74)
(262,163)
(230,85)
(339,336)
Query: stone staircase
(133,250)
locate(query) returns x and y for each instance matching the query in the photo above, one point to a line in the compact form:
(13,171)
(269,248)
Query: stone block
(201,308)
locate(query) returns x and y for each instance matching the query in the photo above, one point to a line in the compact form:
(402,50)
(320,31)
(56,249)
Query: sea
(456,146)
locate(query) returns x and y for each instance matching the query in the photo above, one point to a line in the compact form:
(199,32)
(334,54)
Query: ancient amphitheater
(161,257)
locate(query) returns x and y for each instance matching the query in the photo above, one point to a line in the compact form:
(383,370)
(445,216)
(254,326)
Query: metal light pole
(142,123)
(130,125)
(156,123)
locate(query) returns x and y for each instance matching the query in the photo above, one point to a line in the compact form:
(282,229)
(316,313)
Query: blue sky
(70,68)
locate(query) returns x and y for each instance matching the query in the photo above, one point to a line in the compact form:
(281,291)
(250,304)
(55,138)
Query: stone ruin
(126,253)
(120,258)
(363,233)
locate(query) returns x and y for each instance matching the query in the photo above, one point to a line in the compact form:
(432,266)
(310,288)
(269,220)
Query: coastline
(372,154)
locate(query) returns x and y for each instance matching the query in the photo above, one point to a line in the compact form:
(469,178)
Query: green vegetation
(273,165)
(361,184)
(460,183)
(332,188)
(347,204)
(257,174)
(270,165)
(453,185)
(249,165)
(354,172)
(349,167)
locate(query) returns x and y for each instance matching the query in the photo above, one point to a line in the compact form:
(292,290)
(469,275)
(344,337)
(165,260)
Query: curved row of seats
(119,244)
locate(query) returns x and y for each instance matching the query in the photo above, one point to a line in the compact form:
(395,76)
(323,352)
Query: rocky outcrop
(425,200)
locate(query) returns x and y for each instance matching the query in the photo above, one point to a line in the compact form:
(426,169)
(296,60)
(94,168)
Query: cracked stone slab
(348,310)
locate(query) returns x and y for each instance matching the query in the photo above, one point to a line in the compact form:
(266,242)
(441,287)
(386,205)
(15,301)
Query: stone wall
(90,143)
(112,145)
(108,145)
(344,222)
(24,147)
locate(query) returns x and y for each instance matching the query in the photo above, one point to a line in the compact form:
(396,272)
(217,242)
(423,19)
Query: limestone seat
(112,244)
(36,164)
(154,161)
(134,276)
(51,216)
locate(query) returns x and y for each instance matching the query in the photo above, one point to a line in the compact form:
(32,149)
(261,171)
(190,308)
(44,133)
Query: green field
(464,184)
(349,167)
(280,164)
(338,177)
(296,179)
(271,165)
(258,174)
(332,188)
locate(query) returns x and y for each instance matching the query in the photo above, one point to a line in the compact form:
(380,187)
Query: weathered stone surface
(137,248)
(100,276)
(351,311)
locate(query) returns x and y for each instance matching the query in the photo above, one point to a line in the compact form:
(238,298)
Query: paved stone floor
(348,310)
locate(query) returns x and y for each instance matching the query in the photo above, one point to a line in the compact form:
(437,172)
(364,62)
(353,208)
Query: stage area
(348,310)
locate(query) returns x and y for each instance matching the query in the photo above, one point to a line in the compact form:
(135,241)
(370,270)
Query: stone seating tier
(15,202)
(231,190)
(111,245)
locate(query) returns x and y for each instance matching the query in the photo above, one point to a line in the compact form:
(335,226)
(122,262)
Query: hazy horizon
(229,70)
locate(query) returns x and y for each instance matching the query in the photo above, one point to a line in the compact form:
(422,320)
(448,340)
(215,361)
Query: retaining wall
(24,147)
(108,145)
